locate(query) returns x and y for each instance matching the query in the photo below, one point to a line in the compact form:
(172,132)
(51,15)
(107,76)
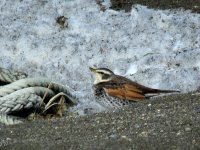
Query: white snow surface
(157,48)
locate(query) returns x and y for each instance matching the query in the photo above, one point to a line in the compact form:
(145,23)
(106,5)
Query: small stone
(137,126)
(144,134)
(125,137)
(114,136)
(187,129)
(8,139)
(179,133)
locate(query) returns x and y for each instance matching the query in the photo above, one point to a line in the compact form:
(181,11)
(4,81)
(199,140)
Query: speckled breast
(108,101)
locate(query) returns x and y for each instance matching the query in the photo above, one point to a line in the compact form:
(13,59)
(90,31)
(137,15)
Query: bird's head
(102,75)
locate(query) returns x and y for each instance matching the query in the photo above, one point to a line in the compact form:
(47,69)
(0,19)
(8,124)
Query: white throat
(98,79)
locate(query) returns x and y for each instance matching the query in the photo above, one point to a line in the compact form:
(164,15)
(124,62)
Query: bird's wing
(125,91)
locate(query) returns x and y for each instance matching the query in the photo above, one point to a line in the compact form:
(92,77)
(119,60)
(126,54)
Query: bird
(115,91)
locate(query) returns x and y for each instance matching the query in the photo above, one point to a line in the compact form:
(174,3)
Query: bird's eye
(101,73)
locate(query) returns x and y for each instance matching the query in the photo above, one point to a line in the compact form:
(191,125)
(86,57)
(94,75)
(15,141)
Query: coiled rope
(28,94)
(9,76)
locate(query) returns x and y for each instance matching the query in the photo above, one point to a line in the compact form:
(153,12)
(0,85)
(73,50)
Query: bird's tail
(155,92)
(162,91)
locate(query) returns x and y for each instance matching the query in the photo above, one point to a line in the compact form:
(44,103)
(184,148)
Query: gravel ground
(169,122)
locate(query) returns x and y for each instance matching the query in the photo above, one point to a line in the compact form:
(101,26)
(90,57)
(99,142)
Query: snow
(157,48)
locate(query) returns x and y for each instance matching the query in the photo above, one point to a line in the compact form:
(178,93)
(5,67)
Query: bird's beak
(93,69)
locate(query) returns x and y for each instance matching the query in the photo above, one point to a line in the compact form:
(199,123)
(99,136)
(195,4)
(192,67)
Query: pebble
(187,129)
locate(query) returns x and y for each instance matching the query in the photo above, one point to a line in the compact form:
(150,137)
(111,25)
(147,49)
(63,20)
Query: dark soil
(171,122)
(193,5)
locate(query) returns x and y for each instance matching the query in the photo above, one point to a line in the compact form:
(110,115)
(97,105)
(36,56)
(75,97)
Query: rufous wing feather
(126,92)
